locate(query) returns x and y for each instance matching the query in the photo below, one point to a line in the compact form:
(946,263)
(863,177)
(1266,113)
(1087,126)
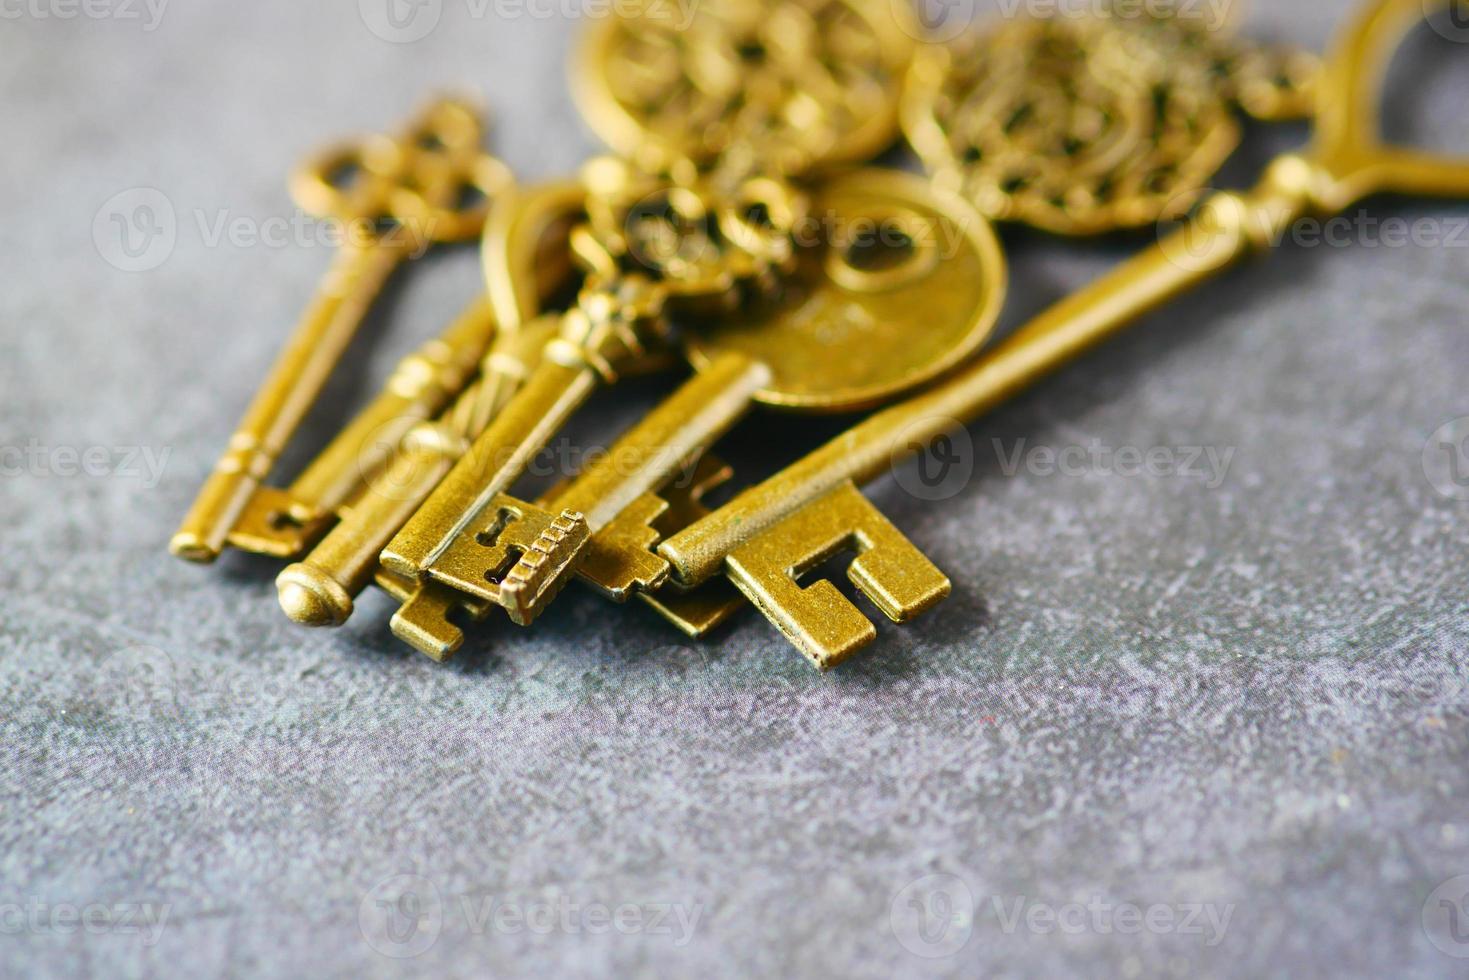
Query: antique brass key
(283,523)
(764,538)
(525,260)
(414,190)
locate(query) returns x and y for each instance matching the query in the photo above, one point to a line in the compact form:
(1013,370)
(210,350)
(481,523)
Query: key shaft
(292,386)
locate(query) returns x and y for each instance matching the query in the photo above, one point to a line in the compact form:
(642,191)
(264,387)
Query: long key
(520,554)
(762,539)
(422,185)
(526,260)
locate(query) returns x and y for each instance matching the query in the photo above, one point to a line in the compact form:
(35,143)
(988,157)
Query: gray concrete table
(1205,719)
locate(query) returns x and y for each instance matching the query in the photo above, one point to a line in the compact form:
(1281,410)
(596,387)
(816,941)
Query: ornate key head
(894,283)
(747,85)
(433,182)
(1080,125)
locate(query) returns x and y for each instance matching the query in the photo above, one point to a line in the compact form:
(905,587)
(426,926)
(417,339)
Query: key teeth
(544,568)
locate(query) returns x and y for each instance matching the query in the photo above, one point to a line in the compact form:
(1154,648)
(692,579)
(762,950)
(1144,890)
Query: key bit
(522,557)
(700,612)
(621,561)
(818,619)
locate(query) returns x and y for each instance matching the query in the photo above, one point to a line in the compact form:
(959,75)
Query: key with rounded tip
(766,536)
(320,589)
(526,260)
(431,184)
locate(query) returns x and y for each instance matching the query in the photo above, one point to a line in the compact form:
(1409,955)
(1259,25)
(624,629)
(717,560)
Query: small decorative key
(432,184)
(768,535)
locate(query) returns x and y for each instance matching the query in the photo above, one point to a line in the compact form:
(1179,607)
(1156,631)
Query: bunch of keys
(764,539)
(845,312)
(734,131)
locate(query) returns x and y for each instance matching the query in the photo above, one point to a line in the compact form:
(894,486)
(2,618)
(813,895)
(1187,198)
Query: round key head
(747,84)
(1082,125)
(895,282)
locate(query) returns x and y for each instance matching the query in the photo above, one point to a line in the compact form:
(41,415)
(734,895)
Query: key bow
(433,182)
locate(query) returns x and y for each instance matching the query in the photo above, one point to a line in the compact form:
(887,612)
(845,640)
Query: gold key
(847,346)
(521,554)
(525,260)
(414,190)
(763,539)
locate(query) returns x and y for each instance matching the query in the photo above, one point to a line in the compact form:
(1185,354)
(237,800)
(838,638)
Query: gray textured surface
(1145,690)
